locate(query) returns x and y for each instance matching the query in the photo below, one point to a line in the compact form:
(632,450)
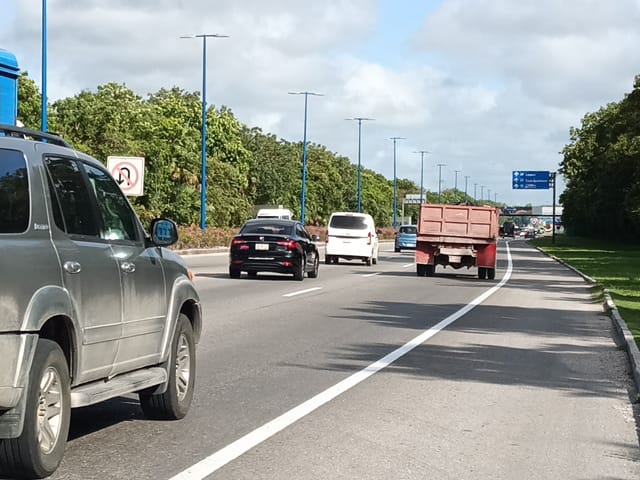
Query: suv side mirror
(164,232)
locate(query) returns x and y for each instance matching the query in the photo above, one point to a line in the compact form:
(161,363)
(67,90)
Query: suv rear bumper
(17,353)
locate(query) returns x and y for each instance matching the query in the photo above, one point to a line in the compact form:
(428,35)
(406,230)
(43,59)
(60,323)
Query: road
(512,378)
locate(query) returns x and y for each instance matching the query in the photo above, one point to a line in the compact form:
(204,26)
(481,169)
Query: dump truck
(457,236)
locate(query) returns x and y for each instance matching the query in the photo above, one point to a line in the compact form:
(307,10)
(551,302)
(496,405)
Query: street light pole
(304,153)
(359,119)
(466,180)
(422,152)
(440,165)
(44,113)
(395,183)
(475,188)
(481,192)
(488,194)
(455,185)
(203,157)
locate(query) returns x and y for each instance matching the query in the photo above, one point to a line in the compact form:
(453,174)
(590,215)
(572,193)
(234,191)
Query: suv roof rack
(13,131)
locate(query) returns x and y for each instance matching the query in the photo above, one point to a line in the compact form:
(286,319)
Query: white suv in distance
(91,306)
(350,236)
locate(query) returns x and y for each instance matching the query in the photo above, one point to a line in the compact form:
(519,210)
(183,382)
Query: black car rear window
(348,221)
(412,230)
(14,192)
(266,229)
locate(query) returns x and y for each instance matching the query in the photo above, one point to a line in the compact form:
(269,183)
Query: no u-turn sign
(129,173)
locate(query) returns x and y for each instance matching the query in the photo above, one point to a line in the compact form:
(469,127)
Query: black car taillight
(239,244)
(289,244)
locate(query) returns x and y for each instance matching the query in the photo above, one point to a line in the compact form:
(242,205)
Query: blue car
(406,238)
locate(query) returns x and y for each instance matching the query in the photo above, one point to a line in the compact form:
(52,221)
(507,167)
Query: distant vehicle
(280,213)
(457,236)
(351,236)
(92,306)
(276,246)
(406,237)
(508,229)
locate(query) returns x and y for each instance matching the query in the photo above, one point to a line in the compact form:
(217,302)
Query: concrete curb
(624,337)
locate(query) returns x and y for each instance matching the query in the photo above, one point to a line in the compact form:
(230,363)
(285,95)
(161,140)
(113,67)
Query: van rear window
(349,222)
(14,192)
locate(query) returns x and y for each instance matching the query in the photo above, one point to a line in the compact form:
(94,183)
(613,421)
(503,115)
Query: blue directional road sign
(531,180)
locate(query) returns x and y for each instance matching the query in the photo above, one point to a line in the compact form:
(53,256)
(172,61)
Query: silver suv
(90,306)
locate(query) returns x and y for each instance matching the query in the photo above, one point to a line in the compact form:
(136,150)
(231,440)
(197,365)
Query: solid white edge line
(408,265)
(232,451)
(300,292)
(371,274)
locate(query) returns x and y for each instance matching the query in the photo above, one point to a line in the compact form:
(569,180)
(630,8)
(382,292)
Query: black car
(271,245)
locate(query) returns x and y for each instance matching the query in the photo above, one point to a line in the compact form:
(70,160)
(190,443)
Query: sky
(487,87)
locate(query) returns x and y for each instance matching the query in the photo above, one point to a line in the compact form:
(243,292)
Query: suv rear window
(349,222)
(14,192)
(411,230)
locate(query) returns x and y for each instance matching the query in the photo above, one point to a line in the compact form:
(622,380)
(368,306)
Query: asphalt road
(295,381)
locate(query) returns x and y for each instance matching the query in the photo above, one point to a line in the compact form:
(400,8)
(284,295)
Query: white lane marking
(300,292)
(371,274)
(408,265)
(232,451)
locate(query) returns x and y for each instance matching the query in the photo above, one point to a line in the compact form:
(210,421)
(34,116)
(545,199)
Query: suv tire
(174,403)
(38,451)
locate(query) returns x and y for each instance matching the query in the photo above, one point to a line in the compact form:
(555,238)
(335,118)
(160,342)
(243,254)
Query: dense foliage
(602,169)
(246,168)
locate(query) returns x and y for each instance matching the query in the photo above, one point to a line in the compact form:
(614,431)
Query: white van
(280,213)
(351,235)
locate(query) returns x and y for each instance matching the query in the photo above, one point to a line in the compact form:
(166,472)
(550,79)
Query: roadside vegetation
(613,265)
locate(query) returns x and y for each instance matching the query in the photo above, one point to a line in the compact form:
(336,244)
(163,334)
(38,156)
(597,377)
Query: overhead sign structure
(531,180)
(129,173)
(414,198)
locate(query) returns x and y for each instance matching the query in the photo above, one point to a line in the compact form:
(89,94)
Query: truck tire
(328,259)
(38,451)
(482,273)
(421,270)
(174,403)
(430,270)
(491,273)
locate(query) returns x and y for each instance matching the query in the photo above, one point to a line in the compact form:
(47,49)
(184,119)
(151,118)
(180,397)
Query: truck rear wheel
(482,273)
(430,270)
(491,273)
(421,270)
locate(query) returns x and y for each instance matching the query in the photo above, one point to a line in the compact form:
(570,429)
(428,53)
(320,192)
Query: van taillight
(369,241)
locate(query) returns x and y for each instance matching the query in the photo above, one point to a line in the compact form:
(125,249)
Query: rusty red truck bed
(457,236)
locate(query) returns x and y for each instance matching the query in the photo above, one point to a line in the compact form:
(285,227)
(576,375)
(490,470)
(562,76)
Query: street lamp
(440,165)
(455,184)
(475,188)
(488,194)
(422,152)
(481,192)
(395,182)
(466,179)
(44,120)
(304,152)
(203,180)
(359,119)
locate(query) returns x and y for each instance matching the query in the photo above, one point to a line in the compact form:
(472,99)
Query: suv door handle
(72,267)
(128,267)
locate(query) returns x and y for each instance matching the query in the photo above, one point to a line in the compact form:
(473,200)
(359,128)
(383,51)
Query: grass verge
(614,266)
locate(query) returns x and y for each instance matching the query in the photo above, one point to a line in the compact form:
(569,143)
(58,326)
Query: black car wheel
(234,272)
(316,266)
(298,274)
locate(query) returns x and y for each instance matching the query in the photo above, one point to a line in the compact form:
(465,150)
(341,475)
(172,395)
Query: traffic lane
(257,363)
(527,385)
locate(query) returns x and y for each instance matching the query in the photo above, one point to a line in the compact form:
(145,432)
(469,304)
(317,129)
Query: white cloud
(488,86)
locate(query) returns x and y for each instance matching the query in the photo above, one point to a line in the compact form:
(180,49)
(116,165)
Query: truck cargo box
(457,236)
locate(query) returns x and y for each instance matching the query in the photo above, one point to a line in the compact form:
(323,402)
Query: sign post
(537,180)
(129,173)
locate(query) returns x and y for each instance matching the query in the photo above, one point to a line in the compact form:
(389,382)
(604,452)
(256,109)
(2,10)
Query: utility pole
(395,183)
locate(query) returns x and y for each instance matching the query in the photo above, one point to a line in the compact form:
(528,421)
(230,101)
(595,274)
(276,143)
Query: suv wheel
(38,451)
(174,403)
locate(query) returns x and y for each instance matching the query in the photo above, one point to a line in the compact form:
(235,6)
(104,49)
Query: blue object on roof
(9,73)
